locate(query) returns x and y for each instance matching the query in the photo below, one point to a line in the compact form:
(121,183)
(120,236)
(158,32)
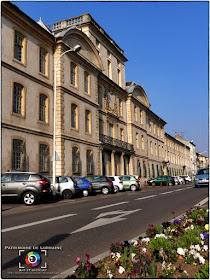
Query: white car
(117,182)
(65,186)
(181,180)
(186,178)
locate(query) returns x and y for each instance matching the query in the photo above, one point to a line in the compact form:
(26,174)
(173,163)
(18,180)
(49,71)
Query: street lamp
(75,49)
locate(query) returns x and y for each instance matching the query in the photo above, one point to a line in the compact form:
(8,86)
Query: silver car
(27,186)
(65,186)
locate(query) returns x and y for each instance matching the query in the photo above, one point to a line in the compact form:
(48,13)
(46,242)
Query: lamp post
(76,49)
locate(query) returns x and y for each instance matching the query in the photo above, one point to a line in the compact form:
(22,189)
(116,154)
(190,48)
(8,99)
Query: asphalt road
(64,230)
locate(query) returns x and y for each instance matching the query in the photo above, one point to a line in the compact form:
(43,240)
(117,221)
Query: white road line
(111,205)
(145,197)
(179,190)
(37,223)
(167,192)
(202,201)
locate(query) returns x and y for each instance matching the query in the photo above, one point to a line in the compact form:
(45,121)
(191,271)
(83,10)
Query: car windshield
(202,171)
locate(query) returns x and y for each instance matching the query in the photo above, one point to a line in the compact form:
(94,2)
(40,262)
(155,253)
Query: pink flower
(78,260)
(87,257)
(89,265)
(135,260)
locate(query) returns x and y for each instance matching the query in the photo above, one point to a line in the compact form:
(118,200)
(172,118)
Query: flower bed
(177,249)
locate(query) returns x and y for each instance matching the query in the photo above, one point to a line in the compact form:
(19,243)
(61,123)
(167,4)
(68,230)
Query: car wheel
(29,198)
(133,188)
(105,190)
(170,184)
(116,189)
(67,194)
(196,186)
(85,193)
(176,183)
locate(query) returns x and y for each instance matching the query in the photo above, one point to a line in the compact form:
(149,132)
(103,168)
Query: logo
(32,259)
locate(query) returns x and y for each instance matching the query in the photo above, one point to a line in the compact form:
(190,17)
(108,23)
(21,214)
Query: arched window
(18,155)
(145,169)
(89,161)
(137,140)
(151,148)
(75,160)
(87,121)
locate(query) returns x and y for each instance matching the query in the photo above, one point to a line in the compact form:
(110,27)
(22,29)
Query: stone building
(103,124)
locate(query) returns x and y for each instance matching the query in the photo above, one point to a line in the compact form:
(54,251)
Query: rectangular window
(43,158)
(73,74)
(18,155)
(100,126)
(109,69)
(118,77)
(121,108)
(87,121)
(42,61)
(42,107)
(18,47)
(73,115)
(86,82)
(17,98)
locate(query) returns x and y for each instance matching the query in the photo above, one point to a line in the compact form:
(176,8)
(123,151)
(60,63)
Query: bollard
(166,183)
(161,184)
(153,184)
(145,184)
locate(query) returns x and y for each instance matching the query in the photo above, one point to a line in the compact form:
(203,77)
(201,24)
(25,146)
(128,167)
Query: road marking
(119,216)
(37,223)
(179,190)
(145,197)
(202,201)
(111,205)
(167,192)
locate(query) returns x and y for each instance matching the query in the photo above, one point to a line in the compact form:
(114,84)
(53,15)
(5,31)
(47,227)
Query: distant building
(103,124)
(202,161)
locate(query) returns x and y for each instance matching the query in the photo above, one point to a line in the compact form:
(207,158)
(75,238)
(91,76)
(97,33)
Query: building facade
(104,124)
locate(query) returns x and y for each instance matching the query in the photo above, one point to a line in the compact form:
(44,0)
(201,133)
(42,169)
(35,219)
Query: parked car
(162,179)
(180,180)
(130,182)
(202,177)
(117,182)
(186,178)
(175,180)
(100,184)
(65,186)
(27,186)
(84,185)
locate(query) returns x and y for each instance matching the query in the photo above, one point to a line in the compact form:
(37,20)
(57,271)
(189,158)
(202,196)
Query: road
(72,228)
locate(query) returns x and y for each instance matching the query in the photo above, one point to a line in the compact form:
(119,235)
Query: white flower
(163,265)
(133,255)
(109,274)
(205,247)
(146,240)
(201,260)
(181,251)
(144,250)
(112,255)
(192,247)
(197,247)
(161,235)
(202,242)
(202,236)
(196,255)
(121,269)
(134,242)
(192,252)
(118,255)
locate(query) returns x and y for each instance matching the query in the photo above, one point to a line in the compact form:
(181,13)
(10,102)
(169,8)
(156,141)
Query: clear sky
(166,44)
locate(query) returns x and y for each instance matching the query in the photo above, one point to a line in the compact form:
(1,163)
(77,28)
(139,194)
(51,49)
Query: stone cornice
(26,130)
(28,76)
(82,98)
(79,140)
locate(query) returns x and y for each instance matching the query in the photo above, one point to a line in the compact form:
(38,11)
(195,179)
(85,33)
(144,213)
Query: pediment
(73,37)
(140,94)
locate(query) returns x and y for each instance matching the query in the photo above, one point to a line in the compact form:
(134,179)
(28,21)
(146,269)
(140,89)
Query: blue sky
(166,44)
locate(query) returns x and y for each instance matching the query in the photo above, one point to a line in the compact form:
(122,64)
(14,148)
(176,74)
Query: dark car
(84,185)
(162,179)
(27,186)
(100,184)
